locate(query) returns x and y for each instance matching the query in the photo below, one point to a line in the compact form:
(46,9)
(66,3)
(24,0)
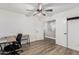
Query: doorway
(50,31)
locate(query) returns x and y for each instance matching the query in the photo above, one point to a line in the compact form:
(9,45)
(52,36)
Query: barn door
(73,33)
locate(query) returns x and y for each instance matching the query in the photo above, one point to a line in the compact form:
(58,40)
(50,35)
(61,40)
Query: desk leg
(28,41)
(1,47)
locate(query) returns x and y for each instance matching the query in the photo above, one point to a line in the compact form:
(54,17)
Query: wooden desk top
(11,39)
(8,39)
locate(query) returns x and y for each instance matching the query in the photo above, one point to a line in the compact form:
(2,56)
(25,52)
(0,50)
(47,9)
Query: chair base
(12,53)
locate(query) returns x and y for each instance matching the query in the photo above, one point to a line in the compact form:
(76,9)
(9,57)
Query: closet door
(73,34)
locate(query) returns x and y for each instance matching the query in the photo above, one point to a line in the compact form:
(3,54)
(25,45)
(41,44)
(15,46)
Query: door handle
(65,33)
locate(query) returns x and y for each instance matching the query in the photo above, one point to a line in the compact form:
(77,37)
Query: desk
(10,39)
(5,40)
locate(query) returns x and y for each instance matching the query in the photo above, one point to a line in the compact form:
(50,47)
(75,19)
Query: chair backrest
(18,38)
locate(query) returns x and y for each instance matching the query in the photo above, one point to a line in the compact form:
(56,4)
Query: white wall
(12,23)
(61,25)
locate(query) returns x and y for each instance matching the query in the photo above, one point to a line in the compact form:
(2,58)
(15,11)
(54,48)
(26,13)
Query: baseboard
(50,37)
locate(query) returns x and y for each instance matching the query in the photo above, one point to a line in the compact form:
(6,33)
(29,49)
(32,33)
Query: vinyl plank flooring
(47,47)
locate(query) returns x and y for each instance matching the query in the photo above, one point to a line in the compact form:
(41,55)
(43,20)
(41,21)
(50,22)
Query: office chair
(14,46)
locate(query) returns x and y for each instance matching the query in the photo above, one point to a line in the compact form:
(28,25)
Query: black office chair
(14,46)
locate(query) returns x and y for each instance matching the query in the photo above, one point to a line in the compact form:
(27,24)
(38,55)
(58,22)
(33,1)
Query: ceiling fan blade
(49,10)
(30,10)
(43,14)
(35,14)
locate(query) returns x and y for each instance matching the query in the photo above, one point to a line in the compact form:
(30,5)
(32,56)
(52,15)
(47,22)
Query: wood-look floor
(46,47)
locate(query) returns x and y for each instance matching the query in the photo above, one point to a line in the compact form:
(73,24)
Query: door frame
(50,21)
(68,19)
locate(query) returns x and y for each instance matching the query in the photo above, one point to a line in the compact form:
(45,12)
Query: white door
(73,34)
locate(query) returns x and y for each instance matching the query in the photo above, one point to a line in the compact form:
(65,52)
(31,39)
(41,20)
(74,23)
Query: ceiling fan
(40,10)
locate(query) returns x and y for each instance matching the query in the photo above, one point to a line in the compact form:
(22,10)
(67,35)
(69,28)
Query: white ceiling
(21,7)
